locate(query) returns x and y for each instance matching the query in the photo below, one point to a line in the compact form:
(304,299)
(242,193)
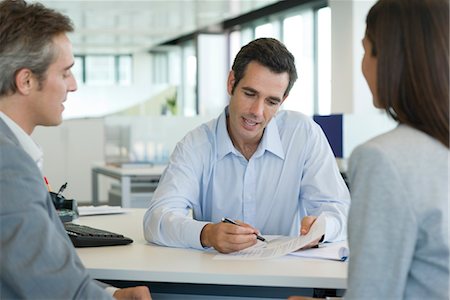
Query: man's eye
(249,94)
(67,74)
(273,102)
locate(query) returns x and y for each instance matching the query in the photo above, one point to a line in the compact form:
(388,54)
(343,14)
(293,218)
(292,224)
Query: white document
(333,251)
(100,210)
(280,245)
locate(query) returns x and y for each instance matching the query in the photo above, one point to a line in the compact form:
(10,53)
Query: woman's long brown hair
(410,39)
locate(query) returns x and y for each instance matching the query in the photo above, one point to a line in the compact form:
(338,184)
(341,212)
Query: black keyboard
(85,236)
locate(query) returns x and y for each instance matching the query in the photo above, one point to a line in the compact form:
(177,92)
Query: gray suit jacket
(38,260)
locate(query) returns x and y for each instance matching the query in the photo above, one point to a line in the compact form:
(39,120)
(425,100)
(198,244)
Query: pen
(47,184)
(226,220)
(61,189)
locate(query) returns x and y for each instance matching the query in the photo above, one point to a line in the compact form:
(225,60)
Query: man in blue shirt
(273,171)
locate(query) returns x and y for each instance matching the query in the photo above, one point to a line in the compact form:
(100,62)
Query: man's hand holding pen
(227,237)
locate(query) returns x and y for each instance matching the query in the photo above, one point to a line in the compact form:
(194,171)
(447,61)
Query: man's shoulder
(13,155)
(288,119)
(9,144)
(293,116)
(6,134)
(405,148)
(200,136)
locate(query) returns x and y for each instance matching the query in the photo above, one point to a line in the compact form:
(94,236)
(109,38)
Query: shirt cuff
(111,290)
(192,233)
(332,229)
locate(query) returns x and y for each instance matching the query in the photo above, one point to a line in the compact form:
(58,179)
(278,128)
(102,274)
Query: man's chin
(52,123)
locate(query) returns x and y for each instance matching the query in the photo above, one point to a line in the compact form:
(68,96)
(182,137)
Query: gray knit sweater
(398,226)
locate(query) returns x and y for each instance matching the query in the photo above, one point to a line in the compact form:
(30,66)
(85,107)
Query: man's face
(256,99)
(49,97)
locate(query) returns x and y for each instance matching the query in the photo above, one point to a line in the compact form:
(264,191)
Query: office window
(100,70)
(78,69)
(306,32)
(298,37)
(265,30)
(124,69)
(176,67)
(189,79)
(270,27)
(103,70)
(324,61)
(160,67)
(247,35)
(235,46)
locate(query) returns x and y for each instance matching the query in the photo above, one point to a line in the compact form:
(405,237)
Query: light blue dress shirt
(292,174)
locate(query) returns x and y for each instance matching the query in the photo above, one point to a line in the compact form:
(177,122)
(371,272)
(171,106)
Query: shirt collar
(30,147)
(224,143)
(270,141)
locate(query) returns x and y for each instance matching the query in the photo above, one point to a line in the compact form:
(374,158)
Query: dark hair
(268,52)
(410,39)
(26,40)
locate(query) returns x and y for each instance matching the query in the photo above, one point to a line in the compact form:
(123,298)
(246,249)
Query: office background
(149,71)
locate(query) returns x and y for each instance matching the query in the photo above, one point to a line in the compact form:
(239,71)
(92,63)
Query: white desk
(125,176)
(143,262)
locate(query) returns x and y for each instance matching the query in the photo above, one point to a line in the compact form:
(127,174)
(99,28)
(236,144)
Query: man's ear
(25,81)
(230,82)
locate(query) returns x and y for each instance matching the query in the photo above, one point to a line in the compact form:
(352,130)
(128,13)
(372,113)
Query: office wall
(69,151)
(349,91)
(345,132)
(72,148)
(358,128)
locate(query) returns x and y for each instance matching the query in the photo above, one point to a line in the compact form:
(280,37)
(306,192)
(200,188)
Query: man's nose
(72,86)
(257,107)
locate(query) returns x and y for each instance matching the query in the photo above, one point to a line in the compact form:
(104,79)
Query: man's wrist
(204,236)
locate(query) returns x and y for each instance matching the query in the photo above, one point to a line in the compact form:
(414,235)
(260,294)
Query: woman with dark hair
(398,226)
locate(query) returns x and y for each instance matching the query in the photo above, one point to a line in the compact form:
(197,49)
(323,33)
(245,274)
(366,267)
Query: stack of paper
(333,251)
(101,210)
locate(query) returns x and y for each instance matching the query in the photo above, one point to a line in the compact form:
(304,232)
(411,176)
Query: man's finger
(306,224)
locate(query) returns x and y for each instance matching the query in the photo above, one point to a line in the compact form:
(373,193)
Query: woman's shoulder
(405,140)
(404,149)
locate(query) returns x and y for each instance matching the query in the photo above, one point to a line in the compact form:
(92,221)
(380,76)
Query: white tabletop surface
(141,261)
(132,170)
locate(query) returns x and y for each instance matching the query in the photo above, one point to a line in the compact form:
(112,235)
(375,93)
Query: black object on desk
(85,236)
(67,209)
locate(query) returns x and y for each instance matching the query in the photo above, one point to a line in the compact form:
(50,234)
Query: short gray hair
(26,40)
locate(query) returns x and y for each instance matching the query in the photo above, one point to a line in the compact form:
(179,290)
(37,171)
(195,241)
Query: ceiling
(133,26)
